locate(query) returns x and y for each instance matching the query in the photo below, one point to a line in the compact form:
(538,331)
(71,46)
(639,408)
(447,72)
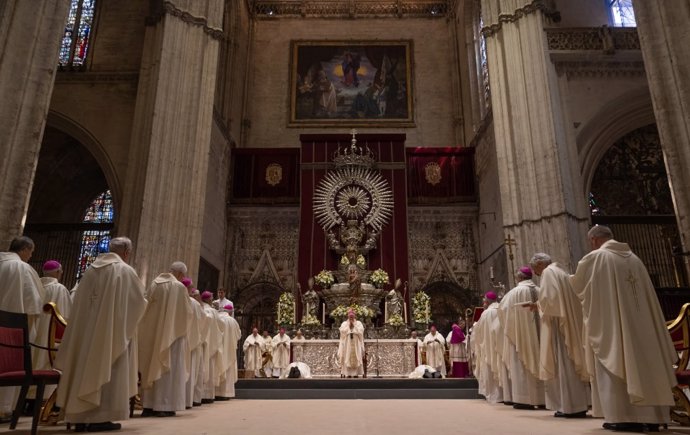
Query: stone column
(29,42)
(542,202)
(664,30)
(165,190)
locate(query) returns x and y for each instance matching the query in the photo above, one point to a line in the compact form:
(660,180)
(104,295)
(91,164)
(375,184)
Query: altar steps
(370,388)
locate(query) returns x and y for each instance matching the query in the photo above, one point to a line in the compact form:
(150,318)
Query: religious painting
(351,83)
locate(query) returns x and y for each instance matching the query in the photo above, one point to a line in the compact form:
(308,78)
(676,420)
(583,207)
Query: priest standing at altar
(252,352)
(281,353)
(351,347)
(435,350)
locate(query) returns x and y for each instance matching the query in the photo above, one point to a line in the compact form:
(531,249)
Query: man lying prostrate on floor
(296,370)
(425,371)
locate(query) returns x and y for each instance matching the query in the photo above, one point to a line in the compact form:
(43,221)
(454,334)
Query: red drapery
(455,181)
(391,253)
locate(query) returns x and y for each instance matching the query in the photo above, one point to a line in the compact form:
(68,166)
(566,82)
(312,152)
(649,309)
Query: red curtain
(455,166)
(250,179)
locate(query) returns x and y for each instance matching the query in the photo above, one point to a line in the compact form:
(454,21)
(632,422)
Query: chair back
(15,351)
(679,329)
(56,329)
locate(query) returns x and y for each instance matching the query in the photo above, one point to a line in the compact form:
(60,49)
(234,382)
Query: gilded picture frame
(351,83)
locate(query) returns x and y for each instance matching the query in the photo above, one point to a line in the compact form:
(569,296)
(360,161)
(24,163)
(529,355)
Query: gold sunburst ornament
(353,193)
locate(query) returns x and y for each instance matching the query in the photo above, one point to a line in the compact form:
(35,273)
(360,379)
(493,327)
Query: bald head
(121,246)
(179,270)
(598,235)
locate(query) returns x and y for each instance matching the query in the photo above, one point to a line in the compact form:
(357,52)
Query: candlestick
(385,312)
(405,311)
(323,313)
(491,272)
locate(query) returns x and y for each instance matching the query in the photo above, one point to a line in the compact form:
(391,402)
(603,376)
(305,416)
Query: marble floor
(341,417)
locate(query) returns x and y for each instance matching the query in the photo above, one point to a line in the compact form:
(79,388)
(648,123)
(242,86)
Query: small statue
(394,301)
(355,282)
(310,302)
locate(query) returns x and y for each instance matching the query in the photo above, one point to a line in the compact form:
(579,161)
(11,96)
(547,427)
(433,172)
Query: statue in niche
(394,301)
(354,281)
(310,301)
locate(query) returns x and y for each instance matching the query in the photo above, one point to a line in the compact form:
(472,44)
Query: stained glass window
(94,242)
(594,208)
(622,14)
(484,63)
(75,40)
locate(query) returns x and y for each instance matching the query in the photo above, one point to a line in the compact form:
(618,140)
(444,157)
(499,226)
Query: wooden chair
(680,335)
(15,364)
(56,330)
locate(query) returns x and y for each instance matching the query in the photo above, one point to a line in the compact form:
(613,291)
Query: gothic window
(75,40)
(483,63)
(621,13)
(96,241)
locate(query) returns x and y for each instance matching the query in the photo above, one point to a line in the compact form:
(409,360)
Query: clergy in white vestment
(562,354)
(628,350)
(351,347)
(214,355)
(267,354)
(195,341)
(252,352)
(202,351)
(420,347)
(457,351)
(98,354)
(164,346)
(231,335)
(489,361)
(21,292)
(297,346)
(222,301)
(59,295)
(435,346)
(281,353)
(521,341)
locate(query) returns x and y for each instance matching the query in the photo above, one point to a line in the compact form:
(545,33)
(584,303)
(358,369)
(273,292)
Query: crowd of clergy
(167,343)
(592,340)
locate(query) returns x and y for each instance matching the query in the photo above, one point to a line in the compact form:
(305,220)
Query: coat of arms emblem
(274,174)
(432,173)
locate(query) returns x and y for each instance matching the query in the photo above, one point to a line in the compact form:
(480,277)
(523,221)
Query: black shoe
(542,407)
(103,427)
(196,403)
(523,406)
(558,414)
(165,413)
(222,398)
(625,427)
(147,412)
(206,401)
(508,403)
(80,427)
(652,427)
(581,414)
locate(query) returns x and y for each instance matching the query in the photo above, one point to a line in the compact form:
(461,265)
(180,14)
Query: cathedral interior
(203,130)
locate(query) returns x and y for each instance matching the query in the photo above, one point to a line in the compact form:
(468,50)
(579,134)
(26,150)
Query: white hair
(178,266)
(120,245)
(600,232)
(540,258)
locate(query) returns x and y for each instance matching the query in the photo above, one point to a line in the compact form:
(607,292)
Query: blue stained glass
(94,242)
(622,13)
(75,40)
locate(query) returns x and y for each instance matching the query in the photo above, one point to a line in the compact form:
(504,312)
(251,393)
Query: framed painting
(351,83)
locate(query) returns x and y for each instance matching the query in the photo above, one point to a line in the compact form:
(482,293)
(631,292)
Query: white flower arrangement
(310,320)
(286,309)
(324,279)
(361,262)
(421,308)
(379,277)
(344,260)
(396,320)
(360,311)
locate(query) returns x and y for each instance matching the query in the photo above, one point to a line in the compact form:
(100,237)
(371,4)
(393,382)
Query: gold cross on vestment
(632,280)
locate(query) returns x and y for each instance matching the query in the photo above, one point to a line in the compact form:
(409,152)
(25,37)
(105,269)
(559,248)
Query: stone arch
(448,302)
(69,126)
(614,120)
(255,305)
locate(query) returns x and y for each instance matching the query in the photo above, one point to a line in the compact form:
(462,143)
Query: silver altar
(390,358)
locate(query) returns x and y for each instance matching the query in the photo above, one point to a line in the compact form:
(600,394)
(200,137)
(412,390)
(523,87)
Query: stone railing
(607,39)
(268,9)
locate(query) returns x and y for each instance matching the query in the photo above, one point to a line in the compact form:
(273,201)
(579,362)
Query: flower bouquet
(340,312)
(396,320)
(286,309)
(421,308)
(324,279)
(379,277)
(310,320)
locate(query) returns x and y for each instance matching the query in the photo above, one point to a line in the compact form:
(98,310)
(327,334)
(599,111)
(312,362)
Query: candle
(385,312)
(405,310)
(491,272)
(323,313)
(294,315)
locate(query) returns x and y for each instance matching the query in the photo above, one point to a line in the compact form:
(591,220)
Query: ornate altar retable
(389,358)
